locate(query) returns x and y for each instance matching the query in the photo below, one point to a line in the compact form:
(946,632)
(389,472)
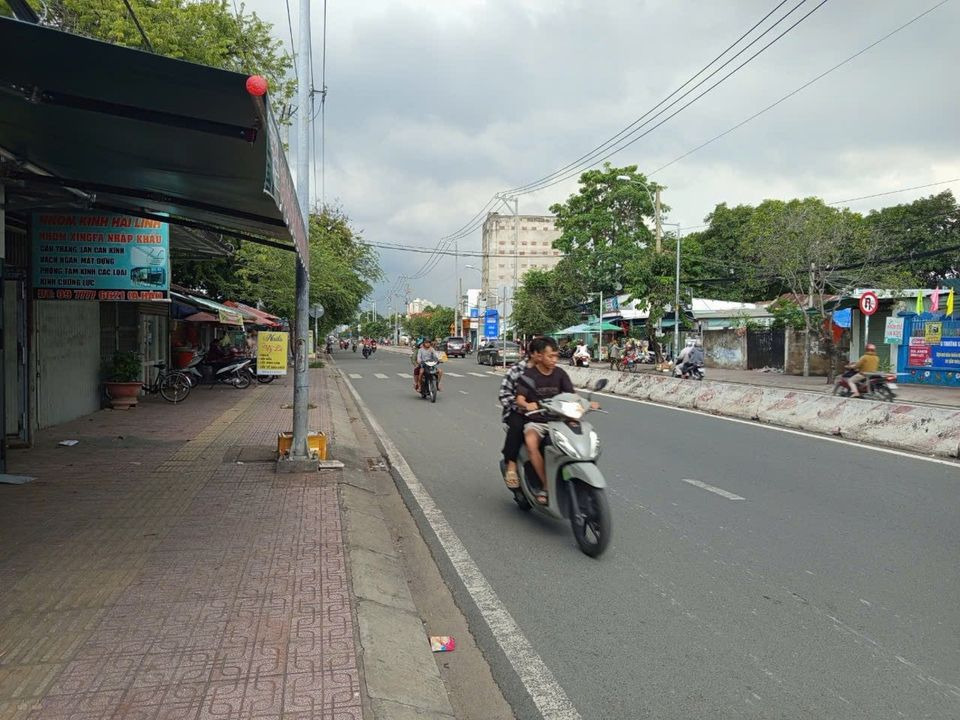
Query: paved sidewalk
(161,569)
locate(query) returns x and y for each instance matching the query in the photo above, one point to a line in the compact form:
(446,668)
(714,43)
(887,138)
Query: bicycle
(173,385)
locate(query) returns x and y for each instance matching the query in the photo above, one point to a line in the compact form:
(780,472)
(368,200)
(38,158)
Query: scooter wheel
(521,500)
(593,528)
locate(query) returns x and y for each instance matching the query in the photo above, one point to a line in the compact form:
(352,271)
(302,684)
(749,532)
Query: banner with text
(100,256)
(272,353)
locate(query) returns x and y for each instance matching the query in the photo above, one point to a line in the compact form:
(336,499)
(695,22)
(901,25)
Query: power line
(293,45)
(797,90)
(136,21)
(629,128)
(636,138)
(894,192)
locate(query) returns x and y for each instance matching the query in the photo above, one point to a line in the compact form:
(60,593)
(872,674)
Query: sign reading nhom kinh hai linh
(272,353)
(100,256)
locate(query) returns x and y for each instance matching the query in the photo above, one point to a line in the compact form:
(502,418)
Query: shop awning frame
(144,134)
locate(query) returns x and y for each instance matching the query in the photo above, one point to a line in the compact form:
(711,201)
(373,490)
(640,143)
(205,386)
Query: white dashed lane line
(719,491)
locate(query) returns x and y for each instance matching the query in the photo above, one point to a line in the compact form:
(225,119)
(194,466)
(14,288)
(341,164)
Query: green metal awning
(133,132)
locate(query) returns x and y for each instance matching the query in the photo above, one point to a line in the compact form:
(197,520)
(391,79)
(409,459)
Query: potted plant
(122,379)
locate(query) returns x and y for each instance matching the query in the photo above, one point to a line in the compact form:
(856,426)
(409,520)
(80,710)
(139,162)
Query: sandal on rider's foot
(541,497)
(512,479)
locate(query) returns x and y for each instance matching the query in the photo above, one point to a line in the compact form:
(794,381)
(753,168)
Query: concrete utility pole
(299,450)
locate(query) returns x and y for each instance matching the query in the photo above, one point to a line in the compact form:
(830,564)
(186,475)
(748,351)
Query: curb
(923,429)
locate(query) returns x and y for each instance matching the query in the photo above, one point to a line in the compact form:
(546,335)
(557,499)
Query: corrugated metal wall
(67,351)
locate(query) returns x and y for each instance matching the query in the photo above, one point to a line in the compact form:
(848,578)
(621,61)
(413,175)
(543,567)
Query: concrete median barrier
(917,428)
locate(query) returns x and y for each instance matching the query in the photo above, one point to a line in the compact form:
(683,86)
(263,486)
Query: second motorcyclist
(425,353)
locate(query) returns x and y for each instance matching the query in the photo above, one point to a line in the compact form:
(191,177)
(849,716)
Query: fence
(930,353)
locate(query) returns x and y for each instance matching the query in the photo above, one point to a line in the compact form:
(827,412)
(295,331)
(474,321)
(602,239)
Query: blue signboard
(100,256)
(474,312)
(491,324)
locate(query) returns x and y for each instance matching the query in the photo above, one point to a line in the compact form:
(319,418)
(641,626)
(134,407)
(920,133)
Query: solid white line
(539,682)
(791,431)
(491,372)
(478,374)
(381,376)
(356,376)
(713,489)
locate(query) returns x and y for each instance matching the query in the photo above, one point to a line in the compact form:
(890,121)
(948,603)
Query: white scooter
(575,486)
(695,371)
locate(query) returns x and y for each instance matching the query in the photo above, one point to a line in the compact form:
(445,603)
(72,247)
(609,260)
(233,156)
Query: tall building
(525,242)
(417,305)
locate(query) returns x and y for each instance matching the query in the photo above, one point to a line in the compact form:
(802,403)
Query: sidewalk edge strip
(537,679)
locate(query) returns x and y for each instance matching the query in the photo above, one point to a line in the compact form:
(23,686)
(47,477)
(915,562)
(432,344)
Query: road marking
(452,374)
(404,375)
(356,376)
(381,376)
(491,372)
(713,489)
(464,392)
(536,677)
(478,374)
(791,431)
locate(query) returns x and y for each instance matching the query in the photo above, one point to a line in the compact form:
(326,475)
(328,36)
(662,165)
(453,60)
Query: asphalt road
(831,590)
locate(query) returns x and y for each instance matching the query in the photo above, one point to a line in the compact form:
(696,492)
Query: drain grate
(375,463)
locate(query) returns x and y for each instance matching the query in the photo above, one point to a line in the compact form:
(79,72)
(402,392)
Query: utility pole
(806,334)
(656,220)
(299,450)
(456,274)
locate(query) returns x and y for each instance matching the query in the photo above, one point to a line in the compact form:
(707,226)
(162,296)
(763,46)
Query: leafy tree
(202,31)
(602,226)
(819,253)
(545,301)
(434,322)
(342,270)
(924,225)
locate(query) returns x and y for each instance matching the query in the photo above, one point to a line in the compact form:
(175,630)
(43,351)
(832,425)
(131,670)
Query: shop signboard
(893,331)
(946,354)
(272,353)
(491,323)
(229,317)
(932,332)
(611,304)
(919,353)
(100,256)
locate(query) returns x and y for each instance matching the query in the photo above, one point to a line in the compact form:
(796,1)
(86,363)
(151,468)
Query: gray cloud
(434,105)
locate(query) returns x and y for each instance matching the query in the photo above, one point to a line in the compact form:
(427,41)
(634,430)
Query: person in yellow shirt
(868,363)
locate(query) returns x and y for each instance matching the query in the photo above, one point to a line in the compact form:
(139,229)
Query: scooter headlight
(594,444)
(566,446)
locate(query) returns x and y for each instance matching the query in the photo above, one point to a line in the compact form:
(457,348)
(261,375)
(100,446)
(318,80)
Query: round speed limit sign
(869,303)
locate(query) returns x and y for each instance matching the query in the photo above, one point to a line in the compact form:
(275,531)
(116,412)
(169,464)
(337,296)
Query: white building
(511,247)
(417,305)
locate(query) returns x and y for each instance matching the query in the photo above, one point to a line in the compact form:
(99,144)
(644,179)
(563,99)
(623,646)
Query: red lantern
(257,85)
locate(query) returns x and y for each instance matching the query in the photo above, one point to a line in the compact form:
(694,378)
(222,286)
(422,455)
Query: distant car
(454,347)
(493,354)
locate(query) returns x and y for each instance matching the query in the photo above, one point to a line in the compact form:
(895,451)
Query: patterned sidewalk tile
(152,573)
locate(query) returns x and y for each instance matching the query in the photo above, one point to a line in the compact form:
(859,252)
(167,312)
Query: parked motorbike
(694,371)
(429,377)
(575,486)
(566,352)
(262,379)
(229,371)
(878,386)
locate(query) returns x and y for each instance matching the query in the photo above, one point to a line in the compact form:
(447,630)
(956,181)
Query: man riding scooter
(868,363)
(691,360)
(426,353)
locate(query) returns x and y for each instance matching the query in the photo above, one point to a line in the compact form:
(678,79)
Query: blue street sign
(474,312)
(491,323)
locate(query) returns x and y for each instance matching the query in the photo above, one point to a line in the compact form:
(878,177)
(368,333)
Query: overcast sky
(435,105)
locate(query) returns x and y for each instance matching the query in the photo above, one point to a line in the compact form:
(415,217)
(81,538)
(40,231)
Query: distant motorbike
(878,386)
(429,378)
(690,371)
(580,361)
(367,351)
(575,486)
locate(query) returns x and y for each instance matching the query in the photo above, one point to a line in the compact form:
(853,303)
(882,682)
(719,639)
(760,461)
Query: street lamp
(676,298)
(656,206)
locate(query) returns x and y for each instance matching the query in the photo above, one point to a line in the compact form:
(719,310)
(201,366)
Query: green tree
(546,300)
(202,31)
(342,272)
(819,253)
(602,226)
(433,322)
(926,225)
